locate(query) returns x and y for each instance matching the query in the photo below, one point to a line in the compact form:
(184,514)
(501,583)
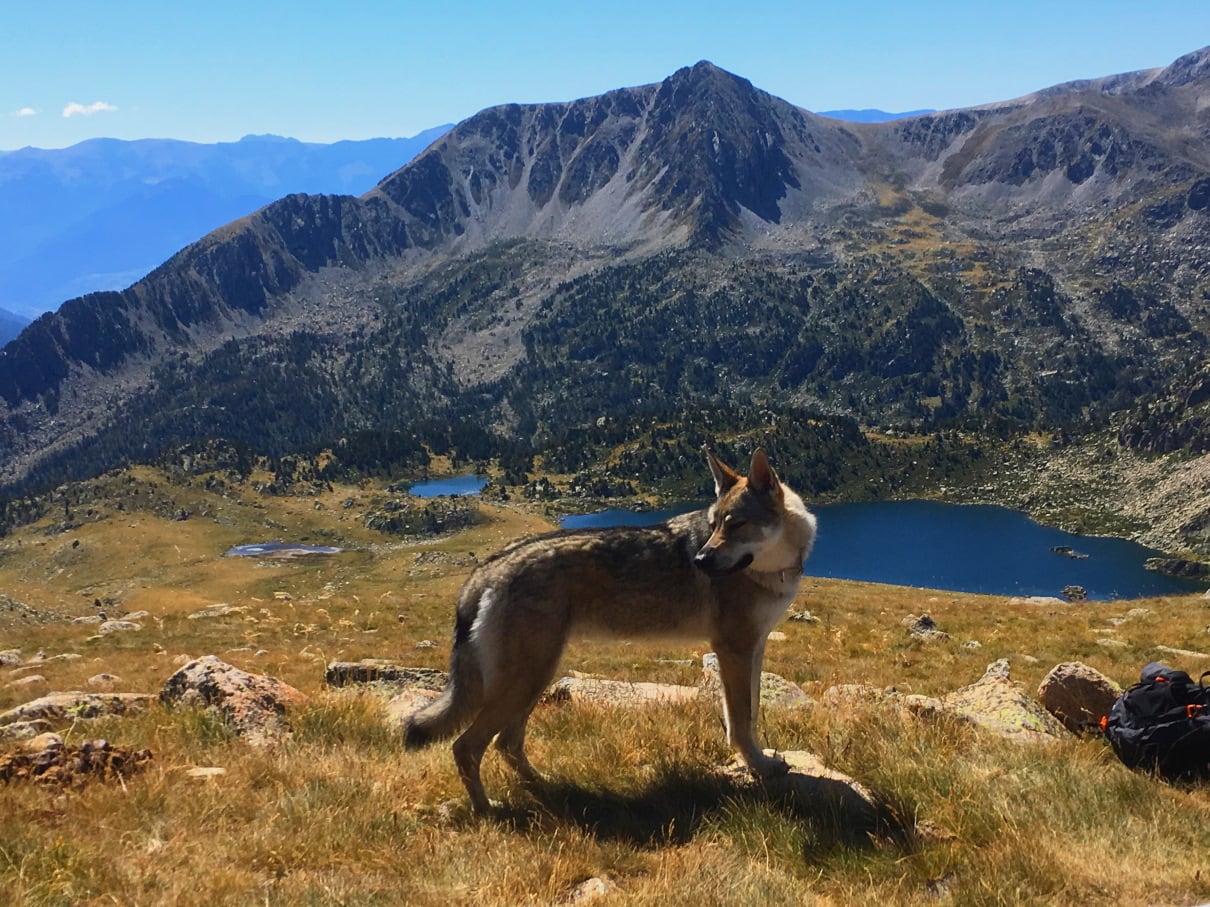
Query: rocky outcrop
(995,702)
(1078,695)
(1178,567)
(46,759)
(823,792)
(378,670)
(924,627)
(64,708)
(254,706)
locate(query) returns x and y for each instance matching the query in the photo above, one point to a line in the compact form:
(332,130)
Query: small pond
(451,485)
(280,549)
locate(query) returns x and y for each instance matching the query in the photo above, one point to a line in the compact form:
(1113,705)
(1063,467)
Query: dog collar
(794,569)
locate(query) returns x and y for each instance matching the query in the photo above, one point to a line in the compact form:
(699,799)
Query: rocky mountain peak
(685,154)
(705,77)
(1191,68)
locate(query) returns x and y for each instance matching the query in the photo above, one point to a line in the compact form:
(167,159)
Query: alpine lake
(929,544)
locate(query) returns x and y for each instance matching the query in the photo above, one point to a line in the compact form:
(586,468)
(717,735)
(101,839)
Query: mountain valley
(558,282)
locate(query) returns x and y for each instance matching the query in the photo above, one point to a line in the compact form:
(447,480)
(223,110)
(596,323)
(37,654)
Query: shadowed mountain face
(1039,262)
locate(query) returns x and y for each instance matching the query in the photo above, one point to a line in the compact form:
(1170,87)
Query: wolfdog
(725,574)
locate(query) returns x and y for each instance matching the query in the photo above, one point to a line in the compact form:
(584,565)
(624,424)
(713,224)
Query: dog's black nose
(708,562)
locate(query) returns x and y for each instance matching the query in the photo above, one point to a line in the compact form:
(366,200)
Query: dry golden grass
(339,814)
(919,241)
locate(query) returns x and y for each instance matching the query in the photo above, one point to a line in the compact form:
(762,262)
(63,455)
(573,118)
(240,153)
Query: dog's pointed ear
(724,476)
(761,476)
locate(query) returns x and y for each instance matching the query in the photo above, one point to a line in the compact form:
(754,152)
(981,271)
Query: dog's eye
(733,523)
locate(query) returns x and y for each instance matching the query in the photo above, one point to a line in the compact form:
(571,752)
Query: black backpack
(1162,724)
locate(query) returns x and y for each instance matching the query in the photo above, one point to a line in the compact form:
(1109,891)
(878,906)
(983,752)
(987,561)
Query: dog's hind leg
(468,756)
(511,743)
(505,712)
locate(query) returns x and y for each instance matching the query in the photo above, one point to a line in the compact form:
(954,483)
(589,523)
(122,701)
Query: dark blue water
(453,485)
(964,548)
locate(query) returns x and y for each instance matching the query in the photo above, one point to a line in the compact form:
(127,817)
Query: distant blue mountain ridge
(870,115)
(101,214)
(11,324)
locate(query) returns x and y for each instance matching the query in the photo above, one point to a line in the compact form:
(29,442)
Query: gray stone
(774,690)
(377,670)
(618,692)
(216,611)
(997,703)
(1181,653)
(74,705)
(1078,695)
(590,890)
(811,785)
(22,730)
(924,627)
(43,742)
(119,626)
(46,759)
(253,705)
(406,704)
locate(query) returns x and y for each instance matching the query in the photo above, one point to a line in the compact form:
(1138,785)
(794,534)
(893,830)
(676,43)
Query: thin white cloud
(75,109)
(25,112)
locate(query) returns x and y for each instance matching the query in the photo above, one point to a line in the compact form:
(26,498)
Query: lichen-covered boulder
(253,705)
(999,704)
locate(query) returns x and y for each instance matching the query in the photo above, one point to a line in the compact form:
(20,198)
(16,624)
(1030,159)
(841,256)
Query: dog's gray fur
(725,574)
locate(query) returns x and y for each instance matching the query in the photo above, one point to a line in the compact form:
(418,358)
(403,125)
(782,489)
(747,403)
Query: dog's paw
(768,766)
(460,811)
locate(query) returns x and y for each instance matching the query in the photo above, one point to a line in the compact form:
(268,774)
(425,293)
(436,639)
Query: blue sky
(216,70)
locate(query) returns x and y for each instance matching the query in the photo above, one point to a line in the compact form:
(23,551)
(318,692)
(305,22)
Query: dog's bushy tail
(457,704)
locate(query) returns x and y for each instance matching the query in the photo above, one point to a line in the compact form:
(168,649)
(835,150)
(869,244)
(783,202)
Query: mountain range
(696,244)
(101,214)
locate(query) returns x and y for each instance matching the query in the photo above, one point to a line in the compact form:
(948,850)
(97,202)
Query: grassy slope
(340,814)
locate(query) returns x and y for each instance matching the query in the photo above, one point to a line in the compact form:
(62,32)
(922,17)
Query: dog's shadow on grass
(673,809)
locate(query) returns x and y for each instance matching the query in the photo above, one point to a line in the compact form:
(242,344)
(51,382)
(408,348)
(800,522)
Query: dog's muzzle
(708,562)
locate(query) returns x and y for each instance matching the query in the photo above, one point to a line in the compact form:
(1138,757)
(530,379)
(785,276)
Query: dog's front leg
(740,675)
